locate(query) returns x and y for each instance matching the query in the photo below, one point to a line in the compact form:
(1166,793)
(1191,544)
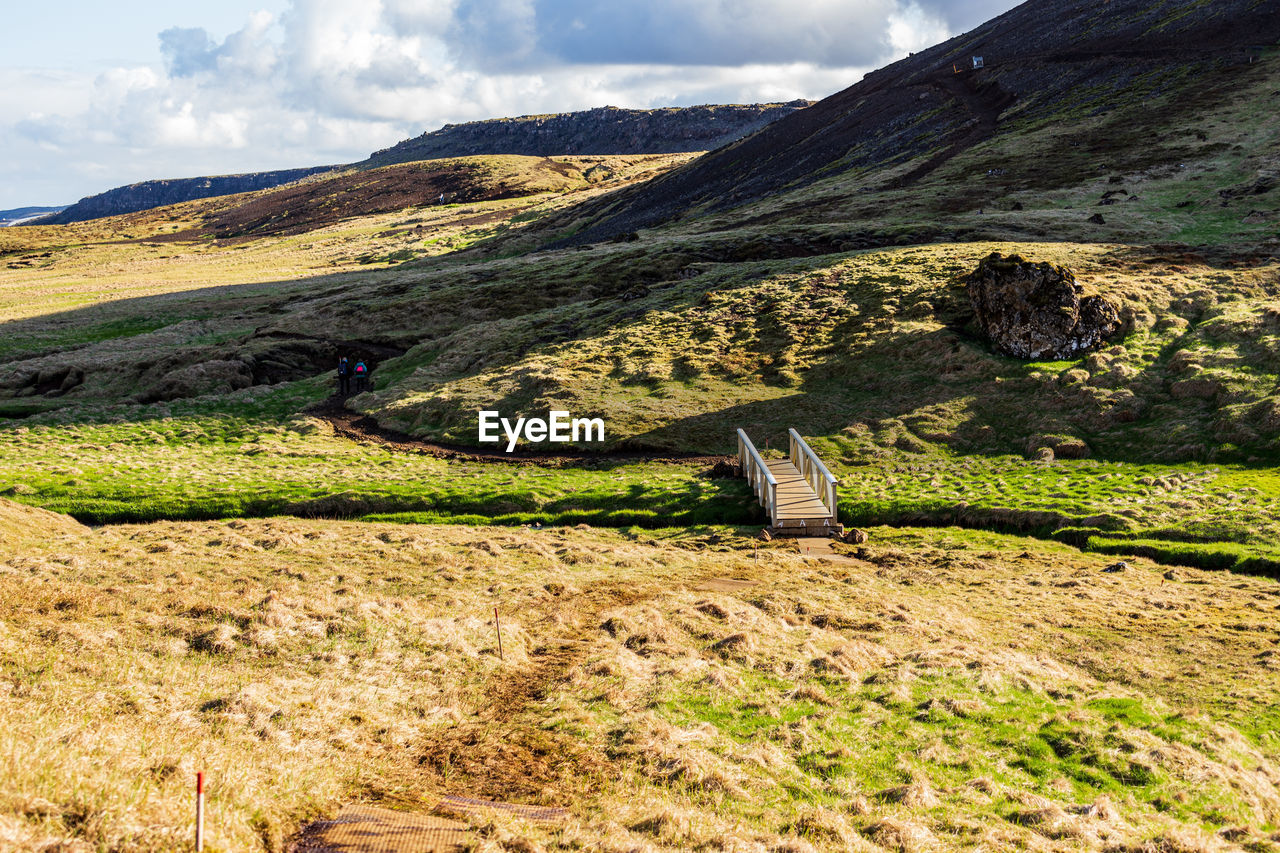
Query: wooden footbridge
(798,493)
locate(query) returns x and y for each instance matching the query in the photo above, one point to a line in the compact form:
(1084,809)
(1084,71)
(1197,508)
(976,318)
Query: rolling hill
(1168,141)
(22,214)
(145,195)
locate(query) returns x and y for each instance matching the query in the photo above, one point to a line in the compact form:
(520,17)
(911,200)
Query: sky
(95,95)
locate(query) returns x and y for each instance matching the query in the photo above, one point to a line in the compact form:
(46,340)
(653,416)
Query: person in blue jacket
(344,376)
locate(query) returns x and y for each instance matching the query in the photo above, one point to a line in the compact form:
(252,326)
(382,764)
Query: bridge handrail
(815,473)
(758,476)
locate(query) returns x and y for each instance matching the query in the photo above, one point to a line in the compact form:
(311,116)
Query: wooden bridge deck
(798,493)
(797,501)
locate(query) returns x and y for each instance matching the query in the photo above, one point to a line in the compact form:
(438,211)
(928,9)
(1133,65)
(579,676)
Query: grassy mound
(20,523)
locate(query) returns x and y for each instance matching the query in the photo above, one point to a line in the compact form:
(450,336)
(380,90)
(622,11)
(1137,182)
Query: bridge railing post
(759,477)
(814,472)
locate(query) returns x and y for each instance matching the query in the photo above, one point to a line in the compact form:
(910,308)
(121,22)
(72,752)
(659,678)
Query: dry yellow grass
(20,524)
(877,702)
(52,268)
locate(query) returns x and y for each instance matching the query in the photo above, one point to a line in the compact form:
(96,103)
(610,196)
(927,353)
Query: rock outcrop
(1035,310)
(603,130)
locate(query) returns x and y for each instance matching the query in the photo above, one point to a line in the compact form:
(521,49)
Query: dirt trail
(354,426)
(501,754)
(820,548)
(493,755)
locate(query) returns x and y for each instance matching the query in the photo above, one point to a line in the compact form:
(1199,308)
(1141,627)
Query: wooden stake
(497,626)
(199,812)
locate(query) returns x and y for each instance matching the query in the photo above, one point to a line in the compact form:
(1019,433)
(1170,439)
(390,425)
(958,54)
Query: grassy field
(1161,444)
(46,271)
(934,689)
(221,466)
(212,460)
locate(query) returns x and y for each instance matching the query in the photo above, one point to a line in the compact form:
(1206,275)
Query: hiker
(344,376)
(362,376)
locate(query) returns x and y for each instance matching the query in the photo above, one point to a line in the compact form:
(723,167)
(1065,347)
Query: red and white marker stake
(199,812)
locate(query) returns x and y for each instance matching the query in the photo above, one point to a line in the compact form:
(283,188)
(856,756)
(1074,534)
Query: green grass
(1204,555)
(250,455)
(220,459)
(125,327)
(951,731)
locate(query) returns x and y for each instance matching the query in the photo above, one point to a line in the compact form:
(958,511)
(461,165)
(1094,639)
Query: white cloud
(911,28)
(332,80)
(184,129)
(188,50)
(27,93)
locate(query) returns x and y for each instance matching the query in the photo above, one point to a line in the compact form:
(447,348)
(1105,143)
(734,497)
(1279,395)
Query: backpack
(360,369)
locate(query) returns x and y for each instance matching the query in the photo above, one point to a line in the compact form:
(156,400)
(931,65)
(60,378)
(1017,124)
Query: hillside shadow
(155,309)
(369,310)
(870,383)
(939,388)
(895,376)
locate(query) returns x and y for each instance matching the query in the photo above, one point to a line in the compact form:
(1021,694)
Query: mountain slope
(148,194)
(22,214)
(1047,64)
(604,130)
(320,203)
